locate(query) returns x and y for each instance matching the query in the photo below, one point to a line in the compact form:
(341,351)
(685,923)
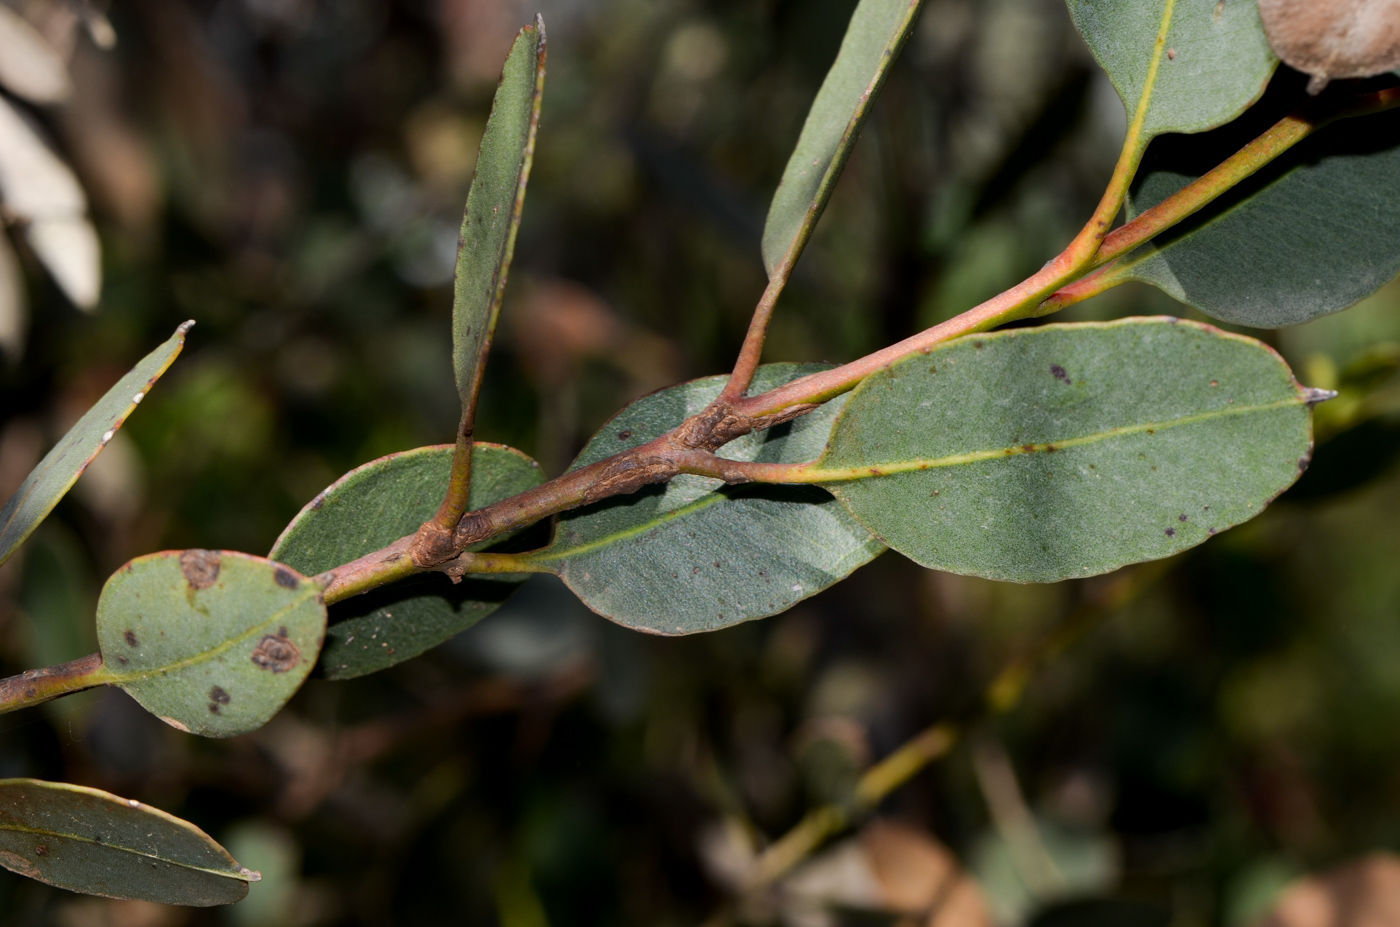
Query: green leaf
(1214,64)
(876,32)
(493,208)
(694,555)
(62,466)
(1036,455)
(1314,232)
(212,642)
(94,842)
(376,505)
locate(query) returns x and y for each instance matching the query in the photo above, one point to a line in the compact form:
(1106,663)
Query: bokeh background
(290,173)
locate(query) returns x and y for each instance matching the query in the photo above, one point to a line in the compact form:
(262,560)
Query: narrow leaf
(1312,233)
(873,39)
(374,505)
(89,841)
(62,466)
(1214,63)
(694,555)
(212,642)
(493,208)
(1041,454)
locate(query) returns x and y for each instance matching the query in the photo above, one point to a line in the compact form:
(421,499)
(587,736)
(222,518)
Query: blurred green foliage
(291,175)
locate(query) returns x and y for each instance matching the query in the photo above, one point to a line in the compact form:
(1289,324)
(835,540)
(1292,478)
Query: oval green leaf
(1214,63)
(1036,455)
(494,203)
(375,505)
(873,39)
(693,554)
(62,466)
(93,842)
(213,642)
(1312,233)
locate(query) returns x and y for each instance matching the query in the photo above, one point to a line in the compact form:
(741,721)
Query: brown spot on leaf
(276,654)
(1171,532)
(319,501)
(130,638)
(16,863)
(285,578)
(200,567)
(1181,517)
(1060,373)
(41,850)
(220,695)
(624,434)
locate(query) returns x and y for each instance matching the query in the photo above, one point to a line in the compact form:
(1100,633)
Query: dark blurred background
(291,173)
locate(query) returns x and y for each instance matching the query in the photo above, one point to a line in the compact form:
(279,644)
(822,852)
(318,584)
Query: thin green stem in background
(1001,695)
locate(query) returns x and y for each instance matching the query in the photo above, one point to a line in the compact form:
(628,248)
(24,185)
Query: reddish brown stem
(35,686)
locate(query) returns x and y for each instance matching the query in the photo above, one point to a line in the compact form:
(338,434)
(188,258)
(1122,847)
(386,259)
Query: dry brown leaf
(892,868)
(1331,39)
(1365,893)
(921,876)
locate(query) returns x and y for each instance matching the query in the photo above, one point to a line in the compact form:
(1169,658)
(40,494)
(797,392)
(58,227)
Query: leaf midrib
(120,849)
(213,652)
(818,474)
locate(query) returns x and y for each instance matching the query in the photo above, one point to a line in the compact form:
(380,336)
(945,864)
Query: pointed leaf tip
(61,467)
(85,840)
(1050,465)
(1312,395)
(877,31)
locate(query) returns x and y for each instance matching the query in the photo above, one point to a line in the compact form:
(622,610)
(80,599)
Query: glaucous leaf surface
(1214,64)
(62,466)
(493,207)
(696,555)
(375,505)
(873,39)
(213,642)
(89,841)
(1036,455)
(1314,232)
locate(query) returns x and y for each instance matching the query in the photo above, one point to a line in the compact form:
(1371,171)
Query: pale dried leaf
(891,868)
(29,66)
(1332,39)
(1364,893)
(34,183)
(69,249)
(14,313)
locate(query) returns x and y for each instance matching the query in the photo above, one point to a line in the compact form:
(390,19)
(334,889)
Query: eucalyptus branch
(1078,272)
(690,447)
